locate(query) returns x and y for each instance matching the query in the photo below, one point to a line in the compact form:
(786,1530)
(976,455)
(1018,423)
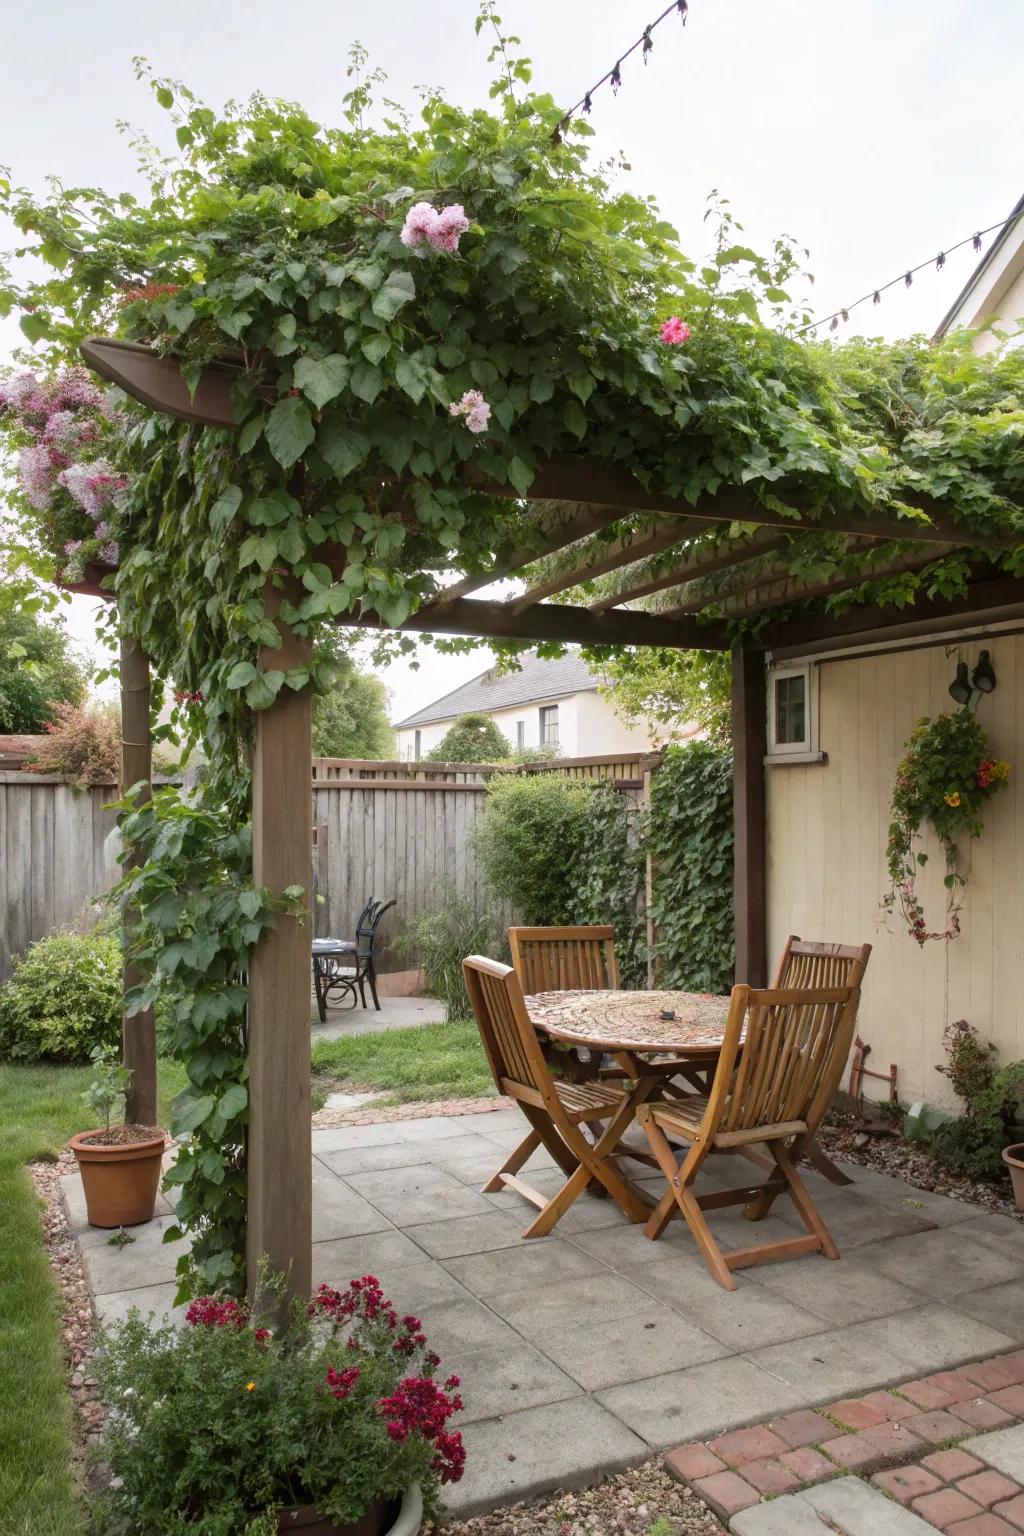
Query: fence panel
(53,864)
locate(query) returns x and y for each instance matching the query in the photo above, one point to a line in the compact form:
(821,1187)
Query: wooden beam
(749,733)
(624,551)
(781,590)
(138,1031)
(280,1203)
(995,601)
(559,524)
(160,383)
(487,619)
(718,558)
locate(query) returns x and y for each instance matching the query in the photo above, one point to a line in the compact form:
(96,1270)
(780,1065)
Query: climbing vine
(417,311)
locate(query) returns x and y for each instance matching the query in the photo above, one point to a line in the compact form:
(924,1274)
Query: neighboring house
(544,703)
(994,291)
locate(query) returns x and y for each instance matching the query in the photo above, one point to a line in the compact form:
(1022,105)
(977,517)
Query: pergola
(572,499)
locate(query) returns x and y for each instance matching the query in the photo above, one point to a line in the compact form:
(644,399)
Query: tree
(472,739)
(352,719)
(671,687)
(37,669)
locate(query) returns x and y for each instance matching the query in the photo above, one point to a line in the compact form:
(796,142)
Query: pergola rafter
(590,496)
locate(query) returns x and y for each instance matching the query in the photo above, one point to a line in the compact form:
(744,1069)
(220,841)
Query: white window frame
(807,750)
(547,715)
(520,734)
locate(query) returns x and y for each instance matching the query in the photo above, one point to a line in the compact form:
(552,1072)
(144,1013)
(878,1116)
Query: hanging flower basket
(946,777)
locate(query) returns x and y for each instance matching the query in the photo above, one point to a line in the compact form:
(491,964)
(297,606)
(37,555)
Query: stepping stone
(847,1508)
(1003,1449)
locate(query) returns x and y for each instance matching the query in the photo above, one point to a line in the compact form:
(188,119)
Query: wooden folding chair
(553,1108)
(807,963)
(565,959)
(780,1064)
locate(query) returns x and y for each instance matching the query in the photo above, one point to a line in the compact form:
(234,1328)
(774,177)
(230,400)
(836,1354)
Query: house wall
(587,725)
(827,830)
(1008,312)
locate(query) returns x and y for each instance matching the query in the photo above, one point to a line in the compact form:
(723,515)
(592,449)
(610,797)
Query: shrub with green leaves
(441,938)
(474,738)
(973,1142)
(529,840)
(64,998)
(690,838)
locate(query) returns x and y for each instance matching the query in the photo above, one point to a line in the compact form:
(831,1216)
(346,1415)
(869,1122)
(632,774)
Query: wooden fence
(399,830)
(53,864)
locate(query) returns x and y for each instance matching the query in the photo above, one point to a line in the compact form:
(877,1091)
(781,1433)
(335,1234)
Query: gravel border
(367,1114)
(642,1501)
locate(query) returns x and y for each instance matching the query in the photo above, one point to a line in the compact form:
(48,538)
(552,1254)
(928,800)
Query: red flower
(340,1383)
(147,292)
(208,1312)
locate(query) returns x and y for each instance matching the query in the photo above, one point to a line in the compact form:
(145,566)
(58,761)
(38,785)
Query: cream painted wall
(1009,312)
(587,727)
(827,829)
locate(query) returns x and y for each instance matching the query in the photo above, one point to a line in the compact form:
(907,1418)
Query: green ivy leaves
(289,430)
(321,379)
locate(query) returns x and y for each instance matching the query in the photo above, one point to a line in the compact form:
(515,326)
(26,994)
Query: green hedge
(689,835)
(64,998)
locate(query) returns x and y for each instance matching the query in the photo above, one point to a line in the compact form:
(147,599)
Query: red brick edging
(904,1439)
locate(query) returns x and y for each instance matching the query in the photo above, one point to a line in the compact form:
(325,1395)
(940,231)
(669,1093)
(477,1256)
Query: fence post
(138,1032)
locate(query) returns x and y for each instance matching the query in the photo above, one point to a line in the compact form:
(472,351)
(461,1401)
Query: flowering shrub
(57,427)
(990,1095)
(946,776)
(216,1427)
(83,743)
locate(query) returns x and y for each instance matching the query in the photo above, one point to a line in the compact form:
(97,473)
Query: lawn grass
(428,1061)
(40,1107)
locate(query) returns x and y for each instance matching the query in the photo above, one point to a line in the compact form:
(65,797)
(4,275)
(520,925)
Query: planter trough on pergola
(576,497)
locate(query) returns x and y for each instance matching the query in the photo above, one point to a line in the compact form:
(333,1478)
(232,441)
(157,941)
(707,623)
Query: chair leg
(823,1164)
(371,977)
(679,1180)
(321,1006)
(808,1211)
(512,1164)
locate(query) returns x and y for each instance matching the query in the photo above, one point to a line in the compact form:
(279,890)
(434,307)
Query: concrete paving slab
(562,1445)
(635,1347)
(744,1319)
(78,1219)
(1001,1306)
(402,1153)
(840,1291)
(460,1328)
(395,1013)
(477,1170)
(855,1220)
(333,1138)
(1003,1233)
(939,1210)
(410,1196)
(337,1210)
(145,1261)
(702,1401)
(1002,1449)
(846,1506)
(941,1263)
(934,1337)
(513,1373)
(156,1301)
(339,1260)
(524,1267)
(600,1298)
(831,1365)
(471,1234)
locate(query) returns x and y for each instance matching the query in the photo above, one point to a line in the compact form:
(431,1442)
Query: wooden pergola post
(138,1031)
(280,1196)
(749,743)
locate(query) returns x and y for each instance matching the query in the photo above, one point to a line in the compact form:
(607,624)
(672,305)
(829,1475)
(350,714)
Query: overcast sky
(876,132)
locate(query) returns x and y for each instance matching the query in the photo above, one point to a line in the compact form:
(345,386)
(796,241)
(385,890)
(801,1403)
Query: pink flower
(110,554)
(21,389)
(419,224)
(475,409)
(675,331)
(38,474)
(449,225)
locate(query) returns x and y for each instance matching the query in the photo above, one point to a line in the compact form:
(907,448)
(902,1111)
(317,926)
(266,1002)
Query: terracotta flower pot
(1013,1157)
(120,1179)
(402,1517)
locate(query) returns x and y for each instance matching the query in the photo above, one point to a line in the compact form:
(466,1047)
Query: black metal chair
(346,965)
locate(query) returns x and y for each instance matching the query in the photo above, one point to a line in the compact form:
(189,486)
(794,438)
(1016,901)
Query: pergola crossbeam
(661,535)
(719,557)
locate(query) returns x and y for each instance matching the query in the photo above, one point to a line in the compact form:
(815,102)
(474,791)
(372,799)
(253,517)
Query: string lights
(906,278)
(613,76)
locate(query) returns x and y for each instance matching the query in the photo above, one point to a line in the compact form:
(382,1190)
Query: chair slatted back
(808,964)
(783,1055)
(565,959)
(509,1038)
(366,927)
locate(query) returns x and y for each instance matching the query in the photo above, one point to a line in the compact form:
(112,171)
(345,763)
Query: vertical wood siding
(827,831)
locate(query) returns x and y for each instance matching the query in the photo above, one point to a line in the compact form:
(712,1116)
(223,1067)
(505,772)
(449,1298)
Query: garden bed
(915,1164)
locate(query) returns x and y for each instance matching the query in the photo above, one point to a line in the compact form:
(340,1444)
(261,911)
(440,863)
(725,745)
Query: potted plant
(334,1424)
(119,1164)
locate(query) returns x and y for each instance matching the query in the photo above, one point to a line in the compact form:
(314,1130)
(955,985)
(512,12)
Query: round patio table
(633,1021)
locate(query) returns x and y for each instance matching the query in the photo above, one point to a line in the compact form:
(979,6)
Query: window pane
(549,725)
(791,710)
(520,733)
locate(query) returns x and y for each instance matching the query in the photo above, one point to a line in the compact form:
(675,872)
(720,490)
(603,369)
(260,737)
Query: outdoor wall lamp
(982,680)
(984,677)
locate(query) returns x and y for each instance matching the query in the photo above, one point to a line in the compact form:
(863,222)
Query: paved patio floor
(592,1348)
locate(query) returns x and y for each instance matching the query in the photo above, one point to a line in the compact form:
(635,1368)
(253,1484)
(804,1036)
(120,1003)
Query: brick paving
(929,1459)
